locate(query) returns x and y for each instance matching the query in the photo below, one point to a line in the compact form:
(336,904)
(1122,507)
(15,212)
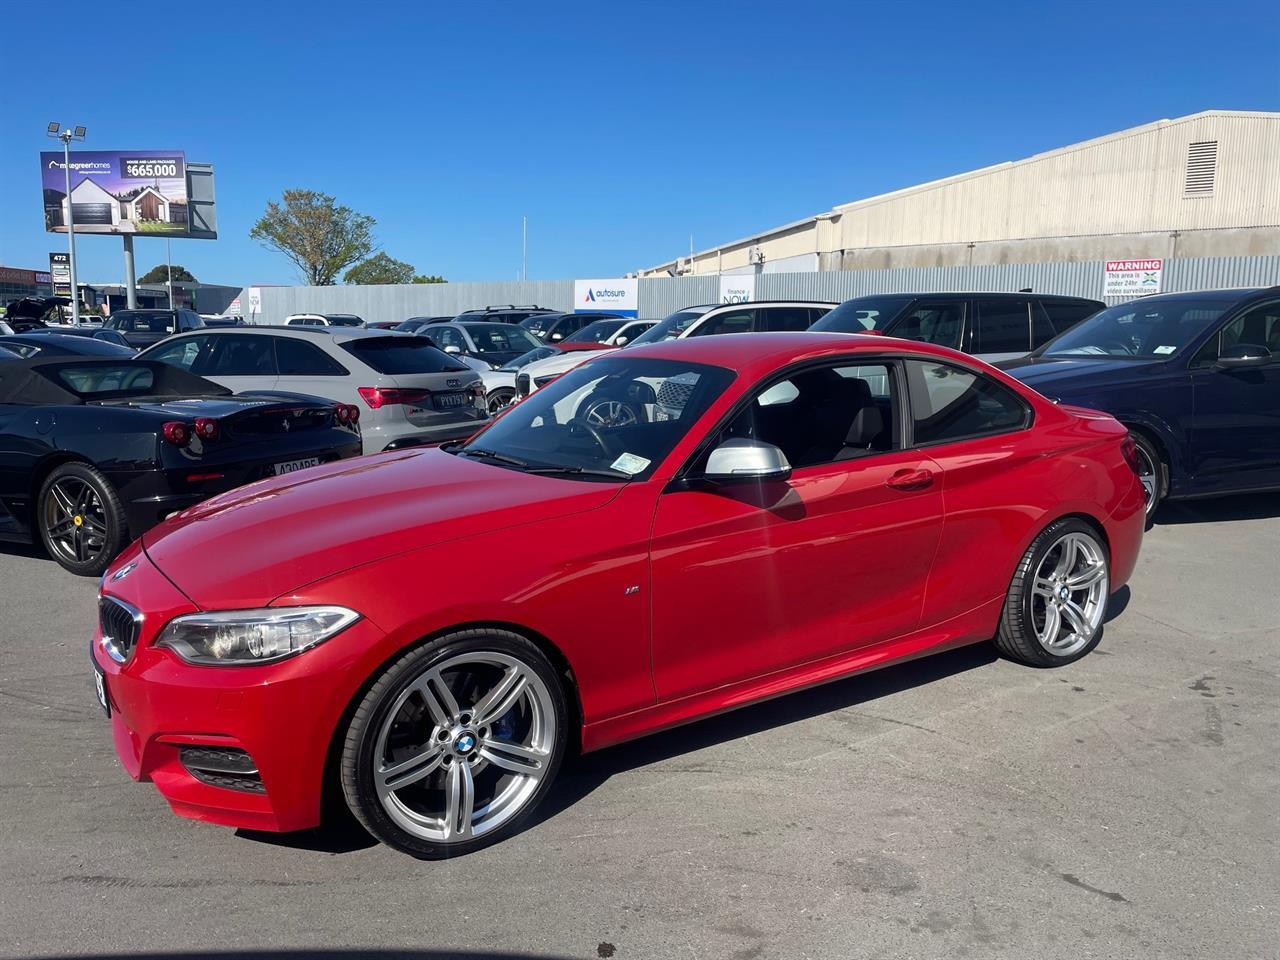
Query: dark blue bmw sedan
(1195,377)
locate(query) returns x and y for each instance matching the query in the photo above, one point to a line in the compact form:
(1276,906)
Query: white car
(323,320)
(700,321)
(610,334)
(408,392)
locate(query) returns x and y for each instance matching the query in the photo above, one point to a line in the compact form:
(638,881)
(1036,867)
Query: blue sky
(618,128)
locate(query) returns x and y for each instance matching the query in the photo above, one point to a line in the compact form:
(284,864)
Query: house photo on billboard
(138,192)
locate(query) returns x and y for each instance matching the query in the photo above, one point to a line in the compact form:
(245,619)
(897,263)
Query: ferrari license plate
(293,466)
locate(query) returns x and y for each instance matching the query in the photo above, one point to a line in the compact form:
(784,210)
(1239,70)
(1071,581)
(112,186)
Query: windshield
(670,328)
(1140,329)
(597,332)
(501,338)
(527,358)
(344,320)
(861,314)
(615,418)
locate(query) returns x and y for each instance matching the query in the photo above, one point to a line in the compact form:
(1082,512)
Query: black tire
(360,746)
(498,399)
(1149,456)
(98,529)
(1018,635)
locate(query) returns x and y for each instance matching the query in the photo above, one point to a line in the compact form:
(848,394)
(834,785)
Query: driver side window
(824,415)
(1257,327)
(180,353)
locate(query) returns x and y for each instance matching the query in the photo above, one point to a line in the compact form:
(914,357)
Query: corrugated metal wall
(659,297)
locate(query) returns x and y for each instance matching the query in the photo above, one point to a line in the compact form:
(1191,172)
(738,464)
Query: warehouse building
(1205,185)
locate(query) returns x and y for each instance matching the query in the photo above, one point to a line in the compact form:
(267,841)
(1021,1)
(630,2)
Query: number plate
(293,466)
(450,401)
(100,688)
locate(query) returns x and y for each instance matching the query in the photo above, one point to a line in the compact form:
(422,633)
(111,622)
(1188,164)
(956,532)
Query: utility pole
(66,136)
(168,256)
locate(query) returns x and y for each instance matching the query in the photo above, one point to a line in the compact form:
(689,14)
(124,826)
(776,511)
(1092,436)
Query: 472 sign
(1132,278)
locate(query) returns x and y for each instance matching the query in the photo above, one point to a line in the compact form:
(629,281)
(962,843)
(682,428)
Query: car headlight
(239,637)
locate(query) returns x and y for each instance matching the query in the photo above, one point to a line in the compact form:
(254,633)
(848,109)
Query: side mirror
(453,348)
(742,459)
(621,341)
(1244,355)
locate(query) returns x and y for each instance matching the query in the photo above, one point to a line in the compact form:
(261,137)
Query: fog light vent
(228,767)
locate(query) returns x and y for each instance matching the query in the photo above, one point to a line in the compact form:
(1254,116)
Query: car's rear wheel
(1057,599)
(1152,471)
(455,744)
(499,399)
(80,519)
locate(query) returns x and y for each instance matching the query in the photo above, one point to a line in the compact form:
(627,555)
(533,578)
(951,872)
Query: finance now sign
(1132,278)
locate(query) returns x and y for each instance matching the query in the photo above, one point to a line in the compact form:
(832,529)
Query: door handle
(910,480)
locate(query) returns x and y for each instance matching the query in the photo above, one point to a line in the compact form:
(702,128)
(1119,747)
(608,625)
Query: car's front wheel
(455,744)
(80,520)
(498,400)
(1152,471)
(1058,597)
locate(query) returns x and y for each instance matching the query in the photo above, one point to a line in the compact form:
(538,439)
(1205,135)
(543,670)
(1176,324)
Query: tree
(160,274)
(431,279)
(319,236)
(380,268)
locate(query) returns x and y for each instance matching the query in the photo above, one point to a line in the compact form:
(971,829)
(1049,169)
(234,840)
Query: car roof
(757,353)
(90,346)
(337,334)
(1223,293)
(985,294)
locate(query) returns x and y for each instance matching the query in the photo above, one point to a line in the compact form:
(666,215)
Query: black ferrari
(96,451)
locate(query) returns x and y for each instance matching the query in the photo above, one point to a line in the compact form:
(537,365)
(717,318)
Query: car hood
(1050,375)
(261,542)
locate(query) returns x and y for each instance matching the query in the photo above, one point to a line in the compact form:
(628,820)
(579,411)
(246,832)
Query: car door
(1235,421)
(183,352)
(1001,329)
(303,367)
(239,361)
(752,578)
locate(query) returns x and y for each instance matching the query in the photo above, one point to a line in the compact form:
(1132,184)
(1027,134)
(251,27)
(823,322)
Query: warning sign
(1132,278)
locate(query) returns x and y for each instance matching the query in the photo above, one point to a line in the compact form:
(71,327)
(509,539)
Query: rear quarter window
(393,355)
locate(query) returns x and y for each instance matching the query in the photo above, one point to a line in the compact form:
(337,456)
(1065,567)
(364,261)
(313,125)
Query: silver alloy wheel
(75,520)
(610,413)
(1069,595)
(499,401)
(1149,476)
(464,747)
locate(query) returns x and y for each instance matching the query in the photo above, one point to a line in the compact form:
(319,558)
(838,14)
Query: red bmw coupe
(690,527)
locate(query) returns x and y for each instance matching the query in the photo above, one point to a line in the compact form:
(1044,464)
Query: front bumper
(283,715)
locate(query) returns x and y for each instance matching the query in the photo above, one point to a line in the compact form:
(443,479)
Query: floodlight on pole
(66,135)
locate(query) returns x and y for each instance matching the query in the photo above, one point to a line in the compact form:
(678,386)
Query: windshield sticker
(630,464)
(1164,349)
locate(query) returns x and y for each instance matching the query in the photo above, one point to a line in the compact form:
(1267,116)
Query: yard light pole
(66,136)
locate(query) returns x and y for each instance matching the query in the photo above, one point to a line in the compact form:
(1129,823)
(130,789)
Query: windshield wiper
(582,472)
(492,455)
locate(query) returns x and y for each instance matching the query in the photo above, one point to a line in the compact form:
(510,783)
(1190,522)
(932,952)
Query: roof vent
(1202,165)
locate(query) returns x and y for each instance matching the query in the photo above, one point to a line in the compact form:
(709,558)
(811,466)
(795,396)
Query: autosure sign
(611,296)
(132,191)
(1132,278)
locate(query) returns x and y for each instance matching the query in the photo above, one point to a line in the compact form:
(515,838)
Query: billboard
(117,191)
(609,296)
(1132,278)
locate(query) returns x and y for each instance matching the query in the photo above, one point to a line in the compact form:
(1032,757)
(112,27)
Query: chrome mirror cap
(745,459)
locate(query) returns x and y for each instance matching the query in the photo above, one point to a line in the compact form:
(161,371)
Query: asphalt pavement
(959,806)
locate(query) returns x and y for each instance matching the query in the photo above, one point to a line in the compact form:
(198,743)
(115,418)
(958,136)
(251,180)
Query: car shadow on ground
(582,775)
(1245,506)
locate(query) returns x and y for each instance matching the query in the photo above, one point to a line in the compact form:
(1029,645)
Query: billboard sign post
(607,296)
(60,271)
